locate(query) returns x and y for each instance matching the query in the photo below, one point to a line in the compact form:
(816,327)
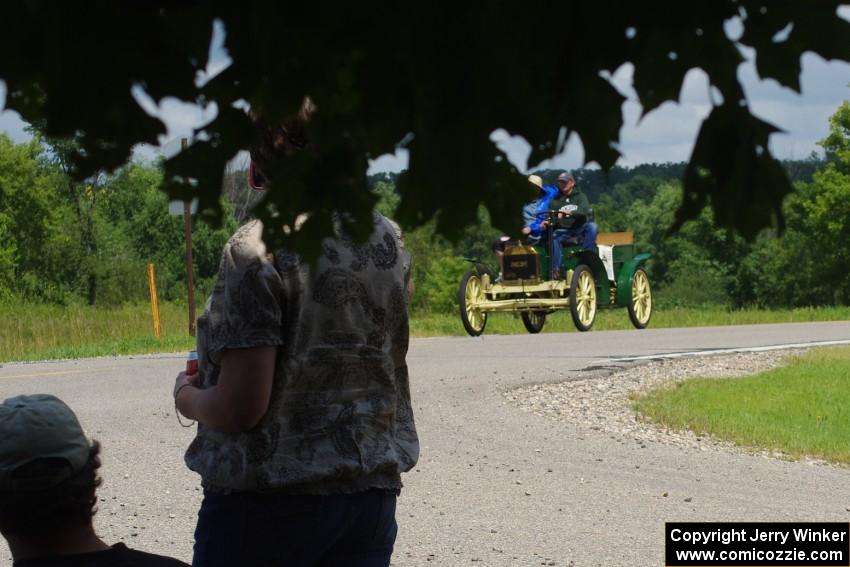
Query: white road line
(728,350)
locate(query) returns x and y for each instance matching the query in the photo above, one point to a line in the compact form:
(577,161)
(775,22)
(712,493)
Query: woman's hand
(240,397)
(182,383)
(184,379)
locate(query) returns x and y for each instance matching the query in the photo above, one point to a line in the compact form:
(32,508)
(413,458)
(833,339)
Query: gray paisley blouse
(340,418)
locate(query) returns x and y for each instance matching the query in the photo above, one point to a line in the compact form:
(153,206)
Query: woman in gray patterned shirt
(303,402)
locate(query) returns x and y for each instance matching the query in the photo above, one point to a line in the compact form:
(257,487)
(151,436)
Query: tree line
(63,241)
(698,265)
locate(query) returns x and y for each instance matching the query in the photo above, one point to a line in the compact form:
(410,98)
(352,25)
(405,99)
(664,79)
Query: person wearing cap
(48,479)
(535,214)
(573,210)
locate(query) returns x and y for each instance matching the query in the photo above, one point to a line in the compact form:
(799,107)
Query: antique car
(524,284)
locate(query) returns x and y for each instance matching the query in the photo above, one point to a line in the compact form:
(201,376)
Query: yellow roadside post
(154,301)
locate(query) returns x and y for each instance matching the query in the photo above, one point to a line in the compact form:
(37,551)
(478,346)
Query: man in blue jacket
(535,215)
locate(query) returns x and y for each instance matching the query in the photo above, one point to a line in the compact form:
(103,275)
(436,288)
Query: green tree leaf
(388,74)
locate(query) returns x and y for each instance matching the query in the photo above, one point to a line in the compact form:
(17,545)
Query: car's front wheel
(470,295)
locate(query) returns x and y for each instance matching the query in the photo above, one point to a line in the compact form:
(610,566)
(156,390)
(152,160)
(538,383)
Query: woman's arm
(240,398)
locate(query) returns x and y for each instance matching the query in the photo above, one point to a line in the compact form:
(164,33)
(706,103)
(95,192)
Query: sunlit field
(41,332)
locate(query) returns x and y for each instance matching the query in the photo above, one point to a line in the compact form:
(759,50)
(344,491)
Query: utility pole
(187,230)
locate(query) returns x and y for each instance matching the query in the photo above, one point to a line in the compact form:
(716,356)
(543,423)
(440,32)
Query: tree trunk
(87,237)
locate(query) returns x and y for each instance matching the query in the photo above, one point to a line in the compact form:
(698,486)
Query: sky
(666,134)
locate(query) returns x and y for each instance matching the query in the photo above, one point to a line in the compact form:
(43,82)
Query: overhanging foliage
(383,71)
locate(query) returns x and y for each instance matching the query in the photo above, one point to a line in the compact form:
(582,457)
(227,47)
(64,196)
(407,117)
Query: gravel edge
(602,402)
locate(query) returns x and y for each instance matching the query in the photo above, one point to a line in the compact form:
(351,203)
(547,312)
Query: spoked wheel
(470,294)
(583,298)
(533,321)
(640,306)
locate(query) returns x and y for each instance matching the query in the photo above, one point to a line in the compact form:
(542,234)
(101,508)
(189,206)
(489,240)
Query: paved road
(495,485)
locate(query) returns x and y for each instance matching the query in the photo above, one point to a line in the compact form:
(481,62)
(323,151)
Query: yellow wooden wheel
(640,306)
(470,295)
(583,298)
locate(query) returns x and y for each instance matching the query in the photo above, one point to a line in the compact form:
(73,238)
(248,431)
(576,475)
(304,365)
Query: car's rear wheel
(533,321)
(583,297)
(470,295)
(640,306)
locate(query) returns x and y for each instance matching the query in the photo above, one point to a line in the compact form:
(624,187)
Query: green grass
(802,409)
(40,332)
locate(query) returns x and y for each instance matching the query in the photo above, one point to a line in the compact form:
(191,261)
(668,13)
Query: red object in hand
(192,363)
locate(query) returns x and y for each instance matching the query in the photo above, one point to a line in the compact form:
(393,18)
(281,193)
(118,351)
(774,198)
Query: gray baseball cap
(37,427)
(566,177)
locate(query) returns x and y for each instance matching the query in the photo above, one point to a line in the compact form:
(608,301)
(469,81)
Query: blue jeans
(586,235)
(339,530)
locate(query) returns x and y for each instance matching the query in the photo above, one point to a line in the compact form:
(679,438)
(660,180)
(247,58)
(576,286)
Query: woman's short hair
(276,141)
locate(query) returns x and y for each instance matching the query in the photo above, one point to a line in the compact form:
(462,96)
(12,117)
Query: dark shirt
(119,555)
(576,204)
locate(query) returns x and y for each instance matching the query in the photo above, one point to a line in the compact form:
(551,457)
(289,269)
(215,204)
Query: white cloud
(10,121)
(669,132)
(389,162)
(219,58)
(12,125)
